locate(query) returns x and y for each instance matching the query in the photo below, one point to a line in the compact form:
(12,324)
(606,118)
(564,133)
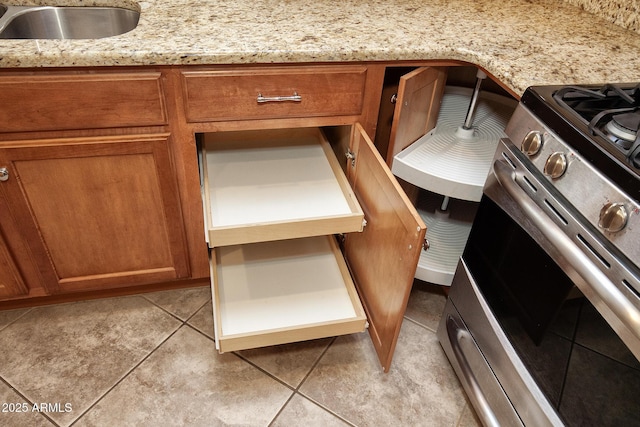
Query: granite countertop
(520,42)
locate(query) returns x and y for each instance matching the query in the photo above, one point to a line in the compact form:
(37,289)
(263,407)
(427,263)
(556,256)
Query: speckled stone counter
(520,42)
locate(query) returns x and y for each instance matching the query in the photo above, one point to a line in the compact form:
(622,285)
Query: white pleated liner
(446,164)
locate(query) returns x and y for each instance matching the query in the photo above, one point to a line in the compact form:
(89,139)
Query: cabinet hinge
(350,156)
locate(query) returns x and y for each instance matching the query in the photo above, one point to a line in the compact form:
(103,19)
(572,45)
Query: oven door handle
(456,335)
(616,301)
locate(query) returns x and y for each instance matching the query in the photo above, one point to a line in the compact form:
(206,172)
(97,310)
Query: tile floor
(150,360)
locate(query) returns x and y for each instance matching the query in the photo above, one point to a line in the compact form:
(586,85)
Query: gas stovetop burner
(622,129)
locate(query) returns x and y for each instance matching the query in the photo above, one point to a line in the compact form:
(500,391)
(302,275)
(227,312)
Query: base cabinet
(94,213)
(282,278)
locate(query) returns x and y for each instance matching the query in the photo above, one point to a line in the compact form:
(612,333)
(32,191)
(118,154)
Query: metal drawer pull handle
(294,98)
(4,174)
(457,334)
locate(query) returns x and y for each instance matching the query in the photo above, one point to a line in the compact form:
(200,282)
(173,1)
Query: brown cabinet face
(417,107)
(97,212)
(272,93)
(11,281)
(384,256)
(54,101)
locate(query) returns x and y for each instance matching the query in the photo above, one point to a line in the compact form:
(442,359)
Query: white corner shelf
(446,164)
(447,233)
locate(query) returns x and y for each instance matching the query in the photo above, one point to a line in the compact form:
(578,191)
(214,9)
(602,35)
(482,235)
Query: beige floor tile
(290,363)
(74,353)
(187,383)
(203,320)
(420,389)
(8,316)
(182,303)
(17,412)
(302,412)
(426,304)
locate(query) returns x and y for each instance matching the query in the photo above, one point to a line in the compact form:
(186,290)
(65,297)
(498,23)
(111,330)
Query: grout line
(281,409)
(423,326)
(321,406)
(267,373)
(303,396)
(172,314)
(296,390)
(15,390)
(204,334)
(126,375)
(315,364)
(17,318)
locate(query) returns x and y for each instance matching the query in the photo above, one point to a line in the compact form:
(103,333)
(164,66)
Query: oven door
(522,326)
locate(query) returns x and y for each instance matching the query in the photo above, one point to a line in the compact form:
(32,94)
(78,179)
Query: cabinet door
(11,282)
(383,257)
(98,212)
(417,107)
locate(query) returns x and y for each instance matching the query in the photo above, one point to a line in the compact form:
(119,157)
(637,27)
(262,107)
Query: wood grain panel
(417,107)
(11,282)
(98,212)
(382,258)
(232,94)
(56,101)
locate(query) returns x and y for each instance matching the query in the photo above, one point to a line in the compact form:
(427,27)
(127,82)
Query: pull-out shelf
(283,291)
(274,184)
(273,200)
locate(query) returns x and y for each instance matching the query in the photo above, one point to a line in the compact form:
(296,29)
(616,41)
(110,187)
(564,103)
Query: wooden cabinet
(273,199)
(76,100)
(91,200)
(102,193)
(274,93)
(11,282)
(97,212)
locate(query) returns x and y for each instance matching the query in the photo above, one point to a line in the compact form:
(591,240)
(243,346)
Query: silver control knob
(532,143)
(556,165)
(613,217)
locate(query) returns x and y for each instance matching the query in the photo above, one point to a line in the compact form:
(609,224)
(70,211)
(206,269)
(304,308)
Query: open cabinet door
(417,107)
(383,257)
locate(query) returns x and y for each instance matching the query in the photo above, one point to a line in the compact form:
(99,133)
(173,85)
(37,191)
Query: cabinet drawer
(63,101)
(272,185)
(234,95)
(279,292)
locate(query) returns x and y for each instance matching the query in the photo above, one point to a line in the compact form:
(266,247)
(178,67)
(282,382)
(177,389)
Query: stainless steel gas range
(542,324)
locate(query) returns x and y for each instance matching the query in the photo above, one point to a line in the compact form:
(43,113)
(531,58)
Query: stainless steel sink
(65,22)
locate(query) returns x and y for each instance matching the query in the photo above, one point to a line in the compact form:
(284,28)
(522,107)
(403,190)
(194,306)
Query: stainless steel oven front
(542,323)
